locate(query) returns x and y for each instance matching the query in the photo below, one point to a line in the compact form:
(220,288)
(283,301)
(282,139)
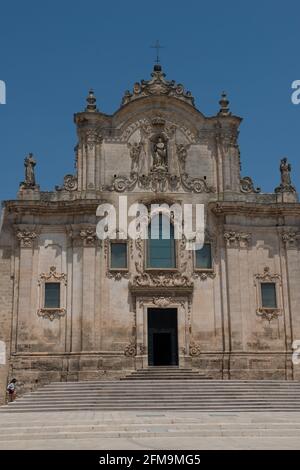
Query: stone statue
(285,170)
(29,182)
(160,155)
(135,151)
(29,170)
(286,183)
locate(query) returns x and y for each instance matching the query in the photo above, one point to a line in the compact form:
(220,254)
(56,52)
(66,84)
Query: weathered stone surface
(100,329)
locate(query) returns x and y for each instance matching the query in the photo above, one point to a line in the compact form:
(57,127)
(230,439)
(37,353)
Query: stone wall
(6,299)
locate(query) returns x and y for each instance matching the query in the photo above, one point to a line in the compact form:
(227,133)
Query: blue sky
(52,52)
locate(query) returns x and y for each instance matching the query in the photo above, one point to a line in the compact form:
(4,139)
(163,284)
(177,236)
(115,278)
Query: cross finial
(157,46)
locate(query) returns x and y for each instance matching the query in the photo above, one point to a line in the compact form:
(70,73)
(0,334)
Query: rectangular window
(52,295)
(268,295)
(118,256)
(203,257)
(161,251)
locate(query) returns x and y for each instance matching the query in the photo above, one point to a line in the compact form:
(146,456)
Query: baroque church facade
(74,307)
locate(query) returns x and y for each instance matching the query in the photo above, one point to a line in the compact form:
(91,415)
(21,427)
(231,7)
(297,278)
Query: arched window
(161,243)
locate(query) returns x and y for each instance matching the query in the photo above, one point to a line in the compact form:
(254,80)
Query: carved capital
(237,239)
(290,238)
(26,238)
(88,236)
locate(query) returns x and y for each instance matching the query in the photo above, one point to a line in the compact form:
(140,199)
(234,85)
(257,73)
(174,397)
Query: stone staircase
(165,373)
(162,389)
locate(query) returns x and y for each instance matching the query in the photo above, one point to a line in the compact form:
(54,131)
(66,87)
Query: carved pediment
(158,85)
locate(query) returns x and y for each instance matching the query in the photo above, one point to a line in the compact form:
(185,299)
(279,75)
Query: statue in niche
(135,151)
(160,160)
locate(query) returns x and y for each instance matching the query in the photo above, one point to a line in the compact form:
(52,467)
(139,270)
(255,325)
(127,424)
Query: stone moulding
(52,276)
(267,313)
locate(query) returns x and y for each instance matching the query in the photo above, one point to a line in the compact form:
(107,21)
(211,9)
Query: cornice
(78,206)
(254,208)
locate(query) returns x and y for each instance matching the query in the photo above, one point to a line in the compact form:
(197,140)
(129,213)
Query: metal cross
(157,46)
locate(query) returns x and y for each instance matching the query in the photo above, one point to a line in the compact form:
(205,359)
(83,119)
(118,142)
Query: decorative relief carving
(160,279)
(162,301)
(117,275)
(92,137)
(204,275)
(70,183)
(194,349)
(268,313)
(88,236)
(196,185)
(158,85)
(142,349)
(226,137)
(130,349)
(26,238)
(267,276)
(159,181)
(51,313)
(237,239)
(53,275)
(290,238)
(247,186)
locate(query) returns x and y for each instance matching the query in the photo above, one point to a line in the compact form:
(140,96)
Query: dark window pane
(161,251)
(52,295)
(118,258)
(203,257)
(268,295)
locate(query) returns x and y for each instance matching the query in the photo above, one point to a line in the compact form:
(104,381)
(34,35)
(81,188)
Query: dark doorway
(162,337)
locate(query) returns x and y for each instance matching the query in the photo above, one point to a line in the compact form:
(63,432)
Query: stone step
(143,432)
(214,408)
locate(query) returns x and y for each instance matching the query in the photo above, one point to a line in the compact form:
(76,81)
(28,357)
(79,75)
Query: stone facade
(100,328)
